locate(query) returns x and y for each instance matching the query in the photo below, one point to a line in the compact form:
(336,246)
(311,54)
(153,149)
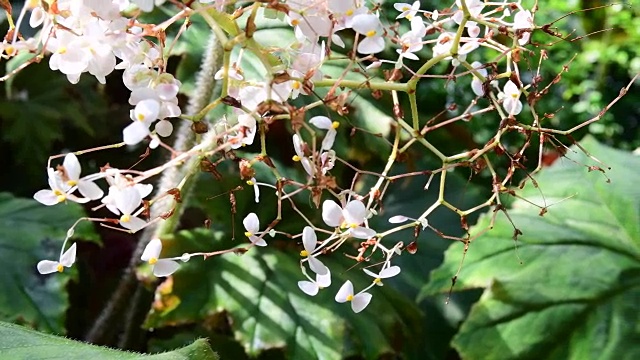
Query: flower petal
(362,232)
(345,291)
(127,200)
(355,212)
(90,190)
(134,133)
(389,272)
(257,241)
(165,267)
(324,281)
(134,224)
(360,302)
(69,257)
(317,266)
(251,223)
(329,139)
(398,219)
(331,213)
(152,250)
(309,239)
(72,166)
(308,287)
(46,197)
(47,267)
(321,122)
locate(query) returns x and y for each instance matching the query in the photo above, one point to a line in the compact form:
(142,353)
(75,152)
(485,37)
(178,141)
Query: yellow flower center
(304,253)
(61,198)
(515,96)
(353,226)
(248,234)
(377,280)
(296,158)
(296,85)
(350,297)
(140,117)
(153,261)
(371,33)
(62,50)
(405,8)
(125,218)
(295,22)
(349,12)
(335,124)
(60,268)
(249,182)
(72,183)
(10,50)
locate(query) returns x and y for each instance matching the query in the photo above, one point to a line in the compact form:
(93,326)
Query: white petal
(144,5)
(297,145)
(79,200)
(69,257)
(398,219)
(360,302)
(321,122)
(477,87)
(365,22)
(165,267)
(134,224)
(324,281)
(309,239)
(251,223)
(257,241)
(317,266)
(47,266)
(371,45)
(306,164)
(355,212)
(46,197)
(256,190)
(90,190)
(362,232)
(331,213)
(510,88)
(345,290)
(164,128)
(127,200)
(329,139)
(144,189)
(370,273)
(72,166)
(146,110)
(135,132)
(308,287)
(152,250)
(389,272)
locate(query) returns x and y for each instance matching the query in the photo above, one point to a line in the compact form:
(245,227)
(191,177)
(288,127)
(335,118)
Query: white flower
(407,10)
(476,84)
(523,20)
(312,287)
(309,242)
(385,273)
(349,217)
(72,170)
(327,161)
(401,218)
(127,201)
(297,146)
(369,25)
(252,225)
(160,267)
(511,102)
(66,260)
(412,40)
(59,191)
(324,123)
(358,301)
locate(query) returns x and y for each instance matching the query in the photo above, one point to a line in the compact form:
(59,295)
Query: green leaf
(267,309)
(17,342)
(30,232)
(576,292)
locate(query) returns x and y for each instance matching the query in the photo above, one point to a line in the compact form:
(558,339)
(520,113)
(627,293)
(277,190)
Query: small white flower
(256,189)
(309,242)
(312,287)
(127,201)
(385,273)
(72,169)
(369,25)
(160,267)
(511,102)
(358,301)
(523,20)
(66,260)
(324,123)
(349,217)
(59,191)
(306,163)
(476,84)
(407,10)
(252,225)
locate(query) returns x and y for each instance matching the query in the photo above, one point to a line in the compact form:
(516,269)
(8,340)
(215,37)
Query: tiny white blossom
(358,301)
(160,267)
(369,25)
(66,260)
(511,98)
(309,242)
(324,123)
(312,287)
(252,225)
(349,217)
(385,273)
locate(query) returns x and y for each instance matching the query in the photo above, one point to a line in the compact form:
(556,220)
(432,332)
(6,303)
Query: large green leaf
(267,310)
(17,342)
(576,293)
(30,232)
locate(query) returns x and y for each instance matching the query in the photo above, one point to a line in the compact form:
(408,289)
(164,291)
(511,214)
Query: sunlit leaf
(575,294)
